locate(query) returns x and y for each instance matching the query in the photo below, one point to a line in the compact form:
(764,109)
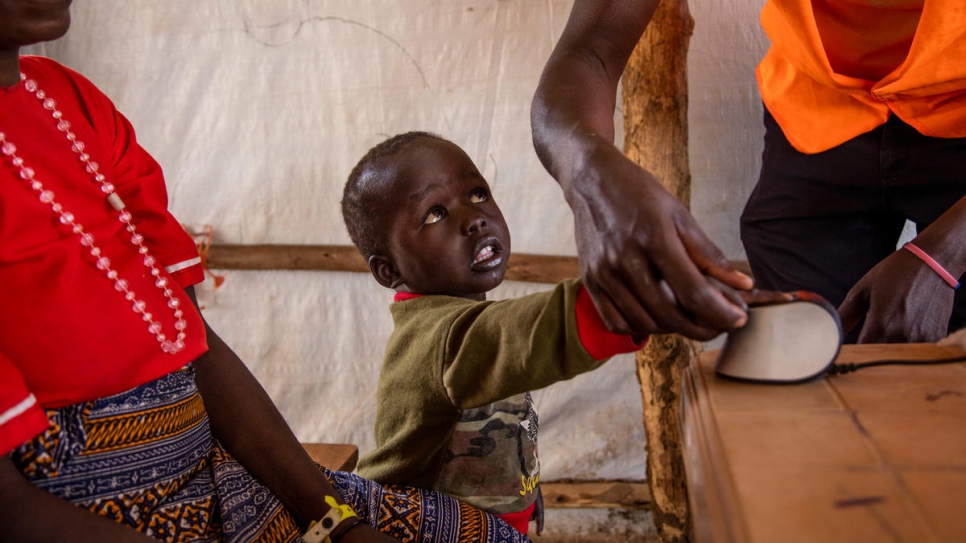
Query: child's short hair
(364,193)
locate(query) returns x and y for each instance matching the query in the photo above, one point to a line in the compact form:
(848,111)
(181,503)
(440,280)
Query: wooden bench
(335,456)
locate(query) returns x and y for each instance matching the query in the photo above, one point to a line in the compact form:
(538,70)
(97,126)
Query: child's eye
(435,214)
(479,195)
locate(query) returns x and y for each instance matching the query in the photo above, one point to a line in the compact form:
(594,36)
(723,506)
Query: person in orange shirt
(865,115)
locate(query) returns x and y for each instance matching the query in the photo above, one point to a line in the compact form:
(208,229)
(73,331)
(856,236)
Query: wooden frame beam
(531,268)
(522,267)
(565,494)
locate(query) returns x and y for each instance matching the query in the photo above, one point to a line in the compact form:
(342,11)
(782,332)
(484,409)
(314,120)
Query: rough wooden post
(655,102)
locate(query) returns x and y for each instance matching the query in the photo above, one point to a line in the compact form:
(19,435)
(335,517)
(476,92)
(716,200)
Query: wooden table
(878,455)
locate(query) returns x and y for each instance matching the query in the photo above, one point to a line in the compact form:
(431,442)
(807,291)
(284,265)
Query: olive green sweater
(453,409)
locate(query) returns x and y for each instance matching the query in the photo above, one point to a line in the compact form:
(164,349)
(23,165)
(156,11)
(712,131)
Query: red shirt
(66,334)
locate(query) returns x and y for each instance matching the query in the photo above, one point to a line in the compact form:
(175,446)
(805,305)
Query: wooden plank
(335,456)
(562,494)
(286,257)
(530,268)
(874,455)
(595,494)
(714,512)
(522,267)
(541,268)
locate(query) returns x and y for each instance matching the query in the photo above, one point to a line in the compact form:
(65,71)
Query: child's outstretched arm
(497,349)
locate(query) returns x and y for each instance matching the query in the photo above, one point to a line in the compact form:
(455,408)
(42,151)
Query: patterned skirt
(146,458)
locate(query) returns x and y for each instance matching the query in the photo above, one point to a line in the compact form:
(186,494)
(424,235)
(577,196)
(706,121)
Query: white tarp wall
(258,109)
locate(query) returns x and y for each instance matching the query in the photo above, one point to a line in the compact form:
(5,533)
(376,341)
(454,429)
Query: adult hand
(902,300)
(753,297)
(643,257)
(759,297)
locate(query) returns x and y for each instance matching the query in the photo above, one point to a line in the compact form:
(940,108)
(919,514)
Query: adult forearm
(901,299)
(945,239)
(572,114)
(247,423)
(29,514)
(573,108)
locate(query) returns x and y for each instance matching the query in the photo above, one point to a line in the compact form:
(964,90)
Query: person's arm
(902,298)
(493,350)
(247,423)
(643,257)
(29,514)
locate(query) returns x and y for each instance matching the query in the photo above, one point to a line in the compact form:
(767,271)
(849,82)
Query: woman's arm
(29,514)
(643,257)
(247,423)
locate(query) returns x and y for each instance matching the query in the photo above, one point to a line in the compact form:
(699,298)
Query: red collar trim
(403,296)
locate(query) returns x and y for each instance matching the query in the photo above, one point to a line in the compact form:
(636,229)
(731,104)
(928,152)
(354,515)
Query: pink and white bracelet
(936,266)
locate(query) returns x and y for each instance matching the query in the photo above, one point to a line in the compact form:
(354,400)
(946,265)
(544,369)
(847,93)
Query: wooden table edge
(714,517)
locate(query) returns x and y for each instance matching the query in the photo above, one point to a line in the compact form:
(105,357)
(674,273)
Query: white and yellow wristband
(320,530)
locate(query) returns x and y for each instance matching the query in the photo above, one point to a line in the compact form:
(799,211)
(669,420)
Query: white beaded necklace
(102,262)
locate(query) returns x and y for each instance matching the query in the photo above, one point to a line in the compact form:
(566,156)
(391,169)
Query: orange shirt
(839,68)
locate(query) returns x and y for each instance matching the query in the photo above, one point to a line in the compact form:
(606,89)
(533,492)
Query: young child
(454,412)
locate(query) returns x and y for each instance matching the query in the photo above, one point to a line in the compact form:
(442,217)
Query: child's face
(446,235)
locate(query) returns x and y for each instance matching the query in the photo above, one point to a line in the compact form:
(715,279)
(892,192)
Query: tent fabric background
(257,110)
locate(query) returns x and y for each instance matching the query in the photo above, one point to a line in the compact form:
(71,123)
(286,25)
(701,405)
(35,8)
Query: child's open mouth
(488,255)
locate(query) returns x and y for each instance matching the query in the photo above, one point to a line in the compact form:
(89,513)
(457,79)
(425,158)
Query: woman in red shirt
(116,398)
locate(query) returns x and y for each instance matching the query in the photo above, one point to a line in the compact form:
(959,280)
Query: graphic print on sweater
(491,459)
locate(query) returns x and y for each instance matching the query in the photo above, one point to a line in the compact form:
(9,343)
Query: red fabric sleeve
(139,181)
(600,342)
(189,276)
(21,417)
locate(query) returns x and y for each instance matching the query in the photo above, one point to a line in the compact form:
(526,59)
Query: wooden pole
(655,103)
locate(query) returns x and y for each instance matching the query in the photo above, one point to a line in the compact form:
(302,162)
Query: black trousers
(820,222)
